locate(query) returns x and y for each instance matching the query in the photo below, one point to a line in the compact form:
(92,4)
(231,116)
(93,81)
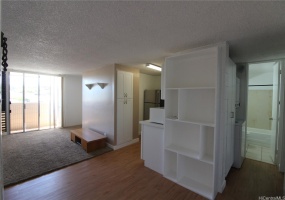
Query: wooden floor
(121,175)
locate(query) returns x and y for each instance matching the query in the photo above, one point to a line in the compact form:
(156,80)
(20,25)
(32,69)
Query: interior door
(124,120)
(120,121)
(128,84)
(230,121)
(275,109)
(280,147)
(120,84)
(128,121)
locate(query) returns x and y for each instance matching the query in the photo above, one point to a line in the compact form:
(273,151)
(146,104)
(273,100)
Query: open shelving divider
(190,110)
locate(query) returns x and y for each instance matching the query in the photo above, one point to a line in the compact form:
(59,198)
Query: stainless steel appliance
(151,100)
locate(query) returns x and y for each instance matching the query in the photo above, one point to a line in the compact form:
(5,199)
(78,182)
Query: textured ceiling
(70,37)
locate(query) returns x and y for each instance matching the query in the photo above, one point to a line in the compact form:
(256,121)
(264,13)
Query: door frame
(281,136)
(280,160)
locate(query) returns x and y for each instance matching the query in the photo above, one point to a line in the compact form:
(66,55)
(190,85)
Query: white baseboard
(221,189)
(123,145)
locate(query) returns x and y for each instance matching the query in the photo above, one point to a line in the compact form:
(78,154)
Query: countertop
(148,123)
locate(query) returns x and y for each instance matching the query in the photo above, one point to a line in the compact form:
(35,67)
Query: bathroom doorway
(262,111)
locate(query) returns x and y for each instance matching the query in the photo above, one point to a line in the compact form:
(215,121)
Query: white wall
(147,82)
(72,100)
(98,104)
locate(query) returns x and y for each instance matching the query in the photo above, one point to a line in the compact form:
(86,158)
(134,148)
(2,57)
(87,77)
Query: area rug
(32,154)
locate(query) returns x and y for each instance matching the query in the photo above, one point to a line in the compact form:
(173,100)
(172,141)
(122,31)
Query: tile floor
(260,153)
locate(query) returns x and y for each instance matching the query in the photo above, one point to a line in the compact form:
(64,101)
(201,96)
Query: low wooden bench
(89,140)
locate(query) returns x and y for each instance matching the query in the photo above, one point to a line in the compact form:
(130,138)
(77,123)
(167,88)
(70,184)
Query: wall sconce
(152,66)
(102,85)
(90,85)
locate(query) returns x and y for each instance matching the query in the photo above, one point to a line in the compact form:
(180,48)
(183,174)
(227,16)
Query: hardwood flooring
(121,175)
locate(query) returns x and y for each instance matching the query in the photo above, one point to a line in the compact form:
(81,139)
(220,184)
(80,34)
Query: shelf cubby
(196,176)
(189,68)
(170,163)
(196,105)
(207,144)
(183,138)
(171,105)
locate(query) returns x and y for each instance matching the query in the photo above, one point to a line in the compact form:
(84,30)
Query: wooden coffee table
(89,140)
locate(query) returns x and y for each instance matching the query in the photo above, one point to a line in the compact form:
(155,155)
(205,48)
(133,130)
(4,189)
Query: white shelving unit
(195,111)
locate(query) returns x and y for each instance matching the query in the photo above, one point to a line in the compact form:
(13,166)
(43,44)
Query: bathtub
(259,137)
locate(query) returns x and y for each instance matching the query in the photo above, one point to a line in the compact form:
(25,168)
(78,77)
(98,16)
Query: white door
(275,109)
(120,84)
(120,121)
(128,84)
(124,107)
(124,84)
(280,134)
(124,120)
(230,121)
(128,120)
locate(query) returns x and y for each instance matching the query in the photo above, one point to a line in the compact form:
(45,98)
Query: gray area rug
(28,155)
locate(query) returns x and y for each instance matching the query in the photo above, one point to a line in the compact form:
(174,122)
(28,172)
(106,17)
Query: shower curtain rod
(260,85)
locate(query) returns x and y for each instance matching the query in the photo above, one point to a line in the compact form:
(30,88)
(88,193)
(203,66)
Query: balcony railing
(31,117)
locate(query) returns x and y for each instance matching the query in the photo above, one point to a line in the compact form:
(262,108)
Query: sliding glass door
(46,103)
(35,102)
(31,101)
(17,99)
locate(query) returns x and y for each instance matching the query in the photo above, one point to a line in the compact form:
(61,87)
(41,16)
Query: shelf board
(191,88)
(183,151)
(207,159)
(171,175)
(191,122)
(197,187)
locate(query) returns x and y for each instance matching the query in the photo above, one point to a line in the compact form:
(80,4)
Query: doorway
(262,111)
(35,102)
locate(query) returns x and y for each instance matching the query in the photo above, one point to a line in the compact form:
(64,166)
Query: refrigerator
(152,99)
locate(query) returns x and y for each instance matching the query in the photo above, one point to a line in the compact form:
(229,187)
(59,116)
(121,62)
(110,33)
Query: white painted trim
(109,145)
(284,186)
(281,142)
(124,144)
(221,189)
(282,131)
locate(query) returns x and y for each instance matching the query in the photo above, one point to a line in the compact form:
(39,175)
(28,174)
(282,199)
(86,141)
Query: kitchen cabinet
(198,117)
(124,84)
(124,107)
(152,145)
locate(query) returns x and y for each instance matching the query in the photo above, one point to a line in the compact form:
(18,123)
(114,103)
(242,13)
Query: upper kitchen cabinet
(124,84)
(199,118)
